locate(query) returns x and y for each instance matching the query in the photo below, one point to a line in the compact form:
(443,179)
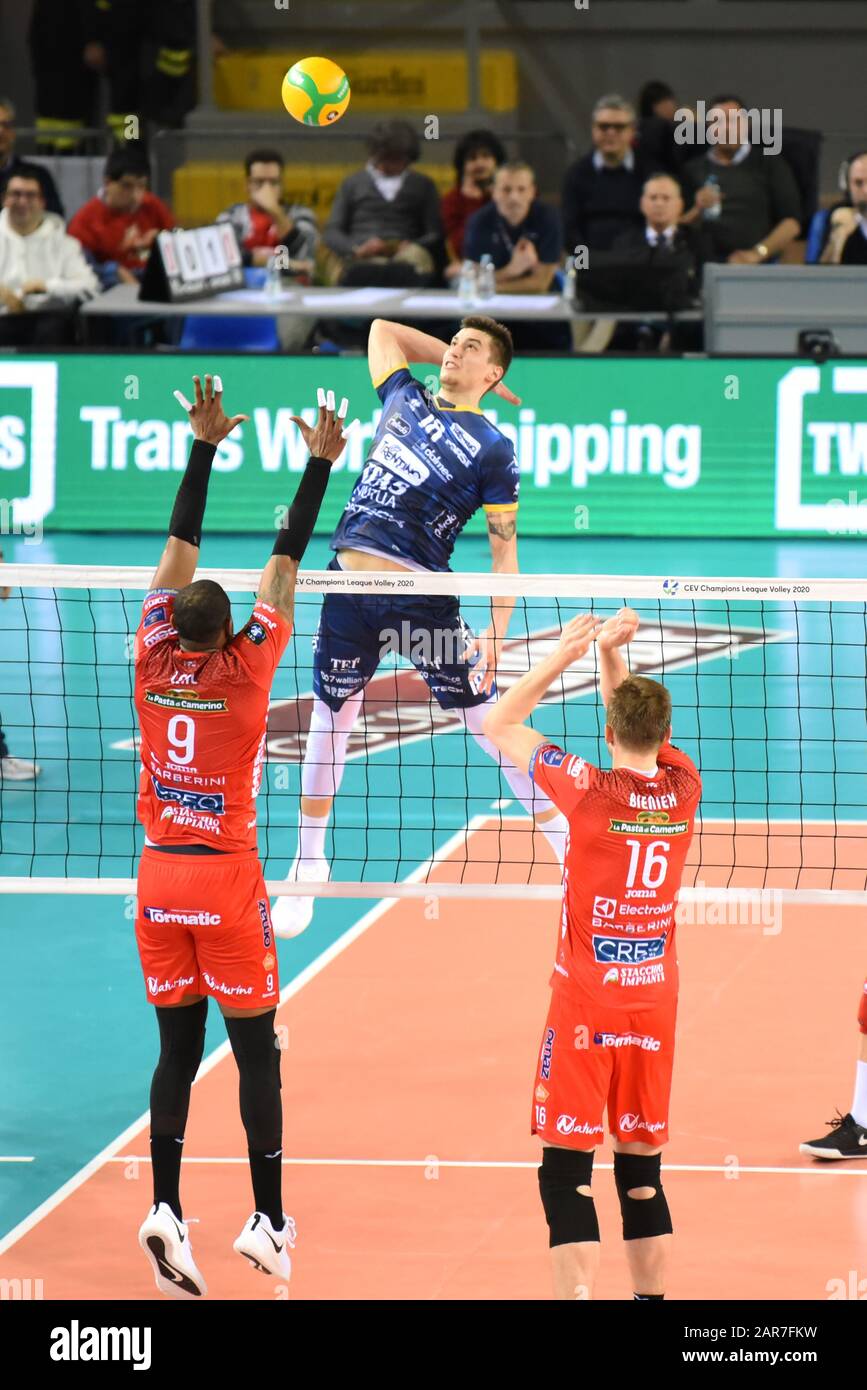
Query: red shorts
(862,1012)
(593,1057)
(203,926)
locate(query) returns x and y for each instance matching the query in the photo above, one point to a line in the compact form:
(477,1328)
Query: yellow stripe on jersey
(402,367)
(470,409)
(500,506)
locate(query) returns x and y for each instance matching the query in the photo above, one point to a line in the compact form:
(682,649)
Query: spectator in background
(66,54)
(118,227)
(602,190)
(43,273)
(478,155)
(148,52)
(264,222)
(522,237)
(10,161)
(847,225)
(657,99)
(671,255)
(385,226)
(758,200)
(13,769)
(657,109)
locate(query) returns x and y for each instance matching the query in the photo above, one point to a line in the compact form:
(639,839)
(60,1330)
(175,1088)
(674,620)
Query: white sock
(555,831)
(859,1100)
(311,836)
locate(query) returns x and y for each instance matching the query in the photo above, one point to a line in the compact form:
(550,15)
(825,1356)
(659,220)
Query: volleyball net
(768,686)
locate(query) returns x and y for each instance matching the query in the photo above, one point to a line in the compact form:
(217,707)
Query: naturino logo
(28,441)
(821,447)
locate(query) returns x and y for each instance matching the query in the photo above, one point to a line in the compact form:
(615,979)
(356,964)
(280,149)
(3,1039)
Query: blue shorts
(355,634)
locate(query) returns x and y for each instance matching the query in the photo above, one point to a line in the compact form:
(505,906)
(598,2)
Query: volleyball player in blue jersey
(434,461)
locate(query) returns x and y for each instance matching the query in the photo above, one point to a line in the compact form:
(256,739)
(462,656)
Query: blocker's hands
(576,637)
(207,417)
(327,439)
(619,630)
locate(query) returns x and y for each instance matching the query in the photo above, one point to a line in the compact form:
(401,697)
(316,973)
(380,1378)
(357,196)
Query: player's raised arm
(210,426)
(505,726)
(326,442)
(617,632)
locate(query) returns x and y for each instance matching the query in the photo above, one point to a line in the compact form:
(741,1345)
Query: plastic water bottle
(568,292)
(273,281)
(467,284)
(712,213)
(487,278)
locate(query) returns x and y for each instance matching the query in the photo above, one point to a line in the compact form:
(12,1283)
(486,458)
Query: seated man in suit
(663,245)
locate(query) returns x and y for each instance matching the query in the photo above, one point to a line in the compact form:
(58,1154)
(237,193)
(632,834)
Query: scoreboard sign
(195,264)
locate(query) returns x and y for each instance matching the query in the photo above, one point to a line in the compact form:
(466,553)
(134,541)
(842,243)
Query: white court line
(17,1158)
(432,1162)
(327,956)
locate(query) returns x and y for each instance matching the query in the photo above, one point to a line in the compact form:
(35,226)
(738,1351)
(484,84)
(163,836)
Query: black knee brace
(255,1047)
(571,1217)
(642,1216)
(182,1042)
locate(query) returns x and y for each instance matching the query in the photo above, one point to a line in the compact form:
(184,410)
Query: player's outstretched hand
(501,389)
(207,417)
(326,440)
(576,637)
(619,630)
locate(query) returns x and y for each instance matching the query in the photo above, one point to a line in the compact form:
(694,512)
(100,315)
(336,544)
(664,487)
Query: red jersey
(101,229)
(456,209)
(202,717)
(629,833)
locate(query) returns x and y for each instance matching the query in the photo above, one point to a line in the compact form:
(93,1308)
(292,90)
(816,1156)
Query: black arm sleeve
(189,509)
(297,527)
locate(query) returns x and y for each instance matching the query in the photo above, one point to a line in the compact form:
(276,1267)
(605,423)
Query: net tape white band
(482,585)
(506,892)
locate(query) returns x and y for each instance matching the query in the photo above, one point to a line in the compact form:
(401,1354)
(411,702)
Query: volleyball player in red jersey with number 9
(609,1038)
(203,925)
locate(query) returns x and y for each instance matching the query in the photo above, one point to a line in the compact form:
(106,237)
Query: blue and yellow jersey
(430,467)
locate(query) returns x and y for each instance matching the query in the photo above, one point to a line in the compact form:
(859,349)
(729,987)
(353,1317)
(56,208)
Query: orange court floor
(409,1055)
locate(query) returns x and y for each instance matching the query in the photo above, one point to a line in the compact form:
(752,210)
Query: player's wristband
(189,509)
(297,527)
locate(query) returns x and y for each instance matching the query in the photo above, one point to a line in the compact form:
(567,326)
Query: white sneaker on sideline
(265,1248)
(18,770)
(290,915)
(166,1242)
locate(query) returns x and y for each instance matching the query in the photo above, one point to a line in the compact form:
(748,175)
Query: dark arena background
(665,202)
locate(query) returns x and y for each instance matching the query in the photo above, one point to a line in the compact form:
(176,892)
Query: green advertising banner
(618,447)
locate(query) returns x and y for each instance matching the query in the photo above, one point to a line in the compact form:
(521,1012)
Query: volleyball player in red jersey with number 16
(202,920)
(609,1038)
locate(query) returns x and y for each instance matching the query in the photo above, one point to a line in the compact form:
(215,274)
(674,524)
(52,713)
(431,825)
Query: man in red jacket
(118,227)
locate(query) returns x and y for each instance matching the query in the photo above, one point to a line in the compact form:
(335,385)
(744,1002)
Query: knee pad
(642,1216)
(255,1044)
(257,1054)
(182,1036)
(325,751)
(571,1217)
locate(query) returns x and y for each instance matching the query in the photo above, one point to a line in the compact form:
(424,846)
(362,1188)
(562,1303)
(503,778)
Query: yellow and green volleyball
(315,91)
